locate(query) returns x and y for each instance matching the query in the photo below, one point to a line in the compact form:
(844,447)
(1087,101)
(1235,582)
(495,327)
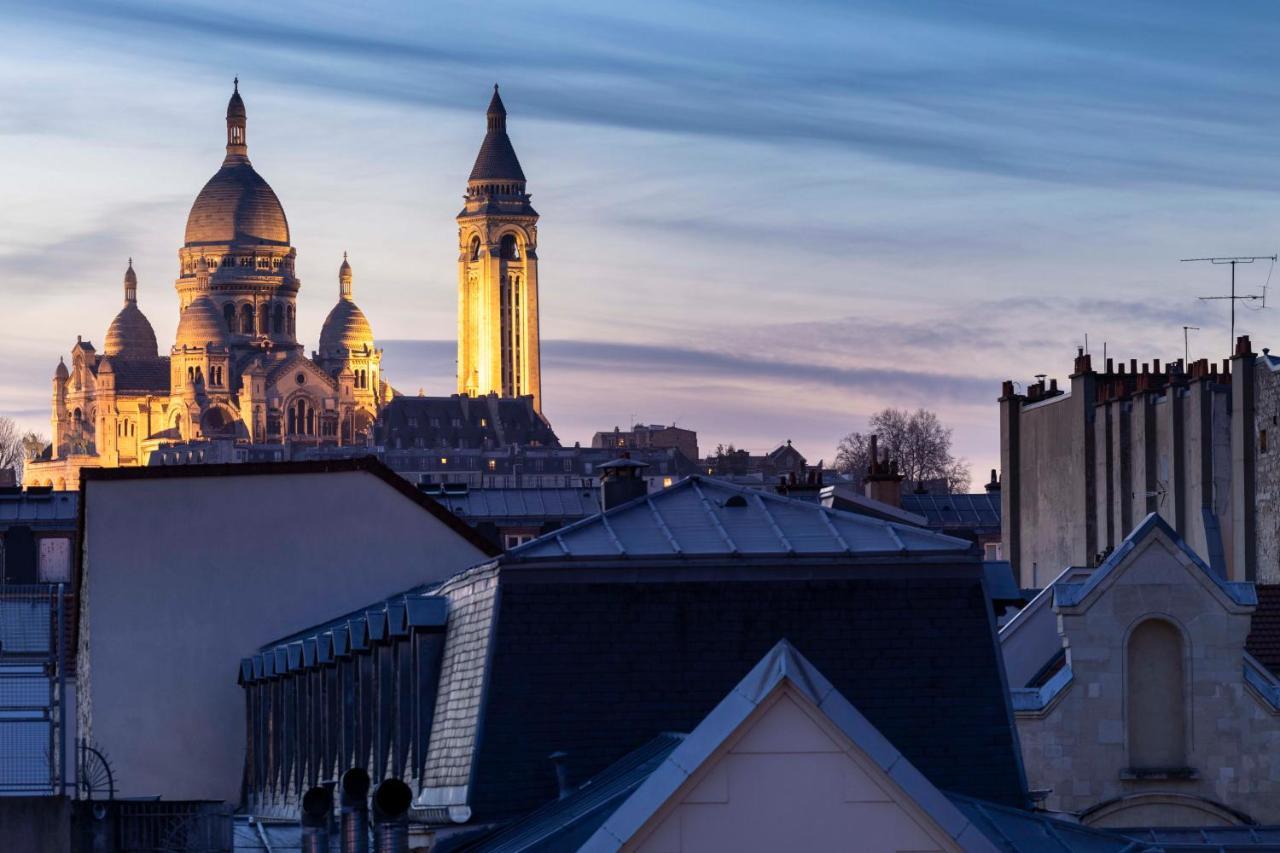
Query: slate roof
(971,512)
(565,824)
(783,663)
(488,421)
(1021,831)
(497,158)
(700,516)
(38,507)
(531,503)
(1264,632)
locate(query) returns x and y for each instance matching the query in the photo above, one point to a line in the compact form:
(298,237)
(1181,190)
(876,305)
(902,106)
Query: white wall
(185,576)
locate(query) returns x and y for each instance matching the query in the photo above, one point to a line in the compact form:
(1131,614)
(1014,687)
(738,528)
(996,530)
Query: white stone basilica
(236,370)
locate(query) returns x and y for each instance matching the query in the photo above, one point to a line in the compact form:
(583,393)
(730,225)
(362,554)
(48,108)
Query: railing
(33,632)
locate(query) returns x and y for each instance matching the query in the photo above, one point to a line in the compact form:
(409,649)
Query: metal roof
(533,503)
(969,511)
(31,506)
(1017,830)
(700,516)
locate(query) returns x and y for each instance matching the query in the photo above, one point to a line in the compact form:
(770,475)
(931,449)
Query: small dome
(201,325)
(346,328)
(130,335)
(237,206)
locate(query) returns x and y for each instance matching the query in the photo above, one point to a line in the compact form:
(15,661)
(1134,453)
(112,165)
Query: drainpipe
(355,811)
(317,810)
(391,815)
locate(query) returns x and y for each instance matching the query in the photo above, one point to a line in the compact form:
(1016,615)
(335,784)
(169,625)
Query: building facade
(646,436)
(236,368)
(498,346)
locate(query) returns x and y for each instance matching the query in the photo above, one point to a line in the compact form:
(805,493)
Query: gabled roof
(1072,594)
(782,664)
(700,516)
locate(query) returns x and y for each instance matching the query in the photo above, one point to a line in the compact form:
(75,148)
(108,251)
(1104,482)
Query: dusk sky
(763,221)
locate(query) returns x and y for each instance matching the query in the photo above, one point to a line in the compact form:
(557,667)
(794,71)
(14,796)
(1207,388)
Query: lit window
(666,482)
(493,464)
(444,460)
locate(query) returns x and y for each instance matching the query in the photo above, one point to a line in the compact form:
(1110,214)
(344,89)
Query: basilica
(236,369)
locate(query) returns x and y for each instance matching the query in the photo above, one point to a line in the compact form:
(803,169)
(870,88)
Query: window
(513,540)
(475,248)
(246,319)
(229,313)
(1262,441)
(277,319)
(509,249)
(1156,705)
(302,418)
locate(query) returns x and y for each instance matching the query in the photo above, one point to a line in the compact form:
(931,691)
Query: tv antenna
(1239,259)
(1186,346)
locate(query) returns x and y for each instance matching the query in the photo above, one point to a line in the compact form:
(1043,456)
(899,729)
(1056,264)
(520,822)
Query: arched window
(475,248)
(264,318)
(277,319)
(229,313)
(1156,703)
(246,319)
(289,325)
(302,418)
(509,249)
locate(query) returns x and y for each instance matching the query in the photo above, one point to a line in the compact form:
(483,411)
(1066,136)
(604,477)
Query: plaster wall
(821,790)
(185,576)
(1079,746)
(1051,480)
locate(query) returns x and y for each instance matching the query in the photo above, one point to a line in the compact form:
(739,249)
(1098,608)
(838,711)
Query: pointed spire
(236,146)
(497,112)
(344,279)
(130,284)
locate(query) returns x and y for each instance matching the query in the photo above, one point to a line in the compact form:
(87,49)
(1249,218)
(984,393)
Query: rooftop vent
(736,501)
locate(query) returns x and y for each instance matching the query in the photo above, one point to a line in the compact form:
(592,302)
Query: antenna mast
(1240,259)
(1186,346)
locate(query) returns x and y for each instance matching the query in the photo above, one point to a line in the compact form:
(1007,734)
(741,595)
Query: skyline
(742,296)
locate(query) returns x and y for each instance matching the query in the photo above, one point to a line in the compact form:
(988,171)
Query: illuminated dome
(237,205)
(130,335)
(346,327)
(201,325)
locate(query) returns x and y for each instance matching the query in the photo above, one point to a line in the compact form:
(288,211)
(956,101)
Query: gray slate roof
(37,507)
(532,503)
(700,516)
(981,511)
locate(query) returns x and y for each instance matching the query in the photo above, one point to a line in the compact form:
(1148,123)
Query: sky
(762,221)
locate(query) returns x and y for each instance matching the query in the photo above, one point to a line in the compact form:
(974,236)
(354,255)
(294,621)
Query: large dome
(130,335)
(237,206)
(201,325)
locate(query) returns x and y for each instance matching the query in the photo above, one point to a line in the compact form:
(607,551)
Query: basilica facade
(236,369)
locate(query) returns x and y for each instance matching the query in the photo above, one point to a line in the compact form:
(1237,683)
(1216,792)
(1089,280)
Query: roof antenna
(1186,347)
(1239,259)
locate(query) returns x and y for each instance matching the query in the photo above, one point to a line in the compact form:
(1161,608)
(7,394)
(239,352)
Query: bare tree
(12,453)
(917,441)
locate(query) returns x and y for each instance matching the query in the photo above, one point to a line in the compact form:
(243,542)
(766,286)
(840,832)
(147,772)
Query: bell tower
(498,346)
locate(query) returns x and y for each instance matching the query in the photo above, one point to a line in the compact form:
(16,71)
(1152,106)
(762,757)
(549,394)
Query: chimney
(883,482)
(621,480)
(391,803)
(355,811)
(317,812)
(994,485)
(558,761)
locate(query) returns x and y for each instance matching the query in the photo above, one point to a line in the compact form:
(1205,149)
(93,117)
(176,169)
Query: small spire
(130,284)
(236,83)
(497,112)
(236,120)
(344,279)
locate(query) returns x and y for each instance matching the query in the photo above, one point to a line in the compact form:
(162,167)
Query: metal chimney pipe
(391,803)
(317,812)
(355,811)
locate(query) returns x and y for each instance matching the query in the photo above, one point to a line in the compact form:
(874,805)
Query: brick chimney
(883,482)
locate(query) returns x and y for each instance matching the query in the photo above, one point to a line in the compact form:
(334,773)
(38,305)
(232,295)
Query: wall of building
(787,760)
(1266,414)
(1080,746)
(184,576)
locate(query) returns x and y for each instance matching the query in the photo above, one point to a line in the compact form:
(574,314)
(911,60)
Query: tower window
(246,319)
(277,319)
(509,249)
(229,313)
(475,249)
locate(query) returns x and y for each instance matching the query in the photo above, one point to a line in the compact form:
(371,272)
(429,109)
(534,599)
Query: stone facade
(1151,713)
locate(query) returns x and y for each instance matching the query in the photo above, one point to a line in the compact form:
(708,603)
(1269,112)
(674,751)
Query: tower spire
(497,112)
(236,145)
(344,279)
(130,284)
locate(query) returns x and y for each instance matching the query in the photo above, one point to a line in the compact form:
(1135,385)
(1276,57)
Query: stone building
(645,436)
(1080,468)
(236,368)
(1137,702)
(498,342)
